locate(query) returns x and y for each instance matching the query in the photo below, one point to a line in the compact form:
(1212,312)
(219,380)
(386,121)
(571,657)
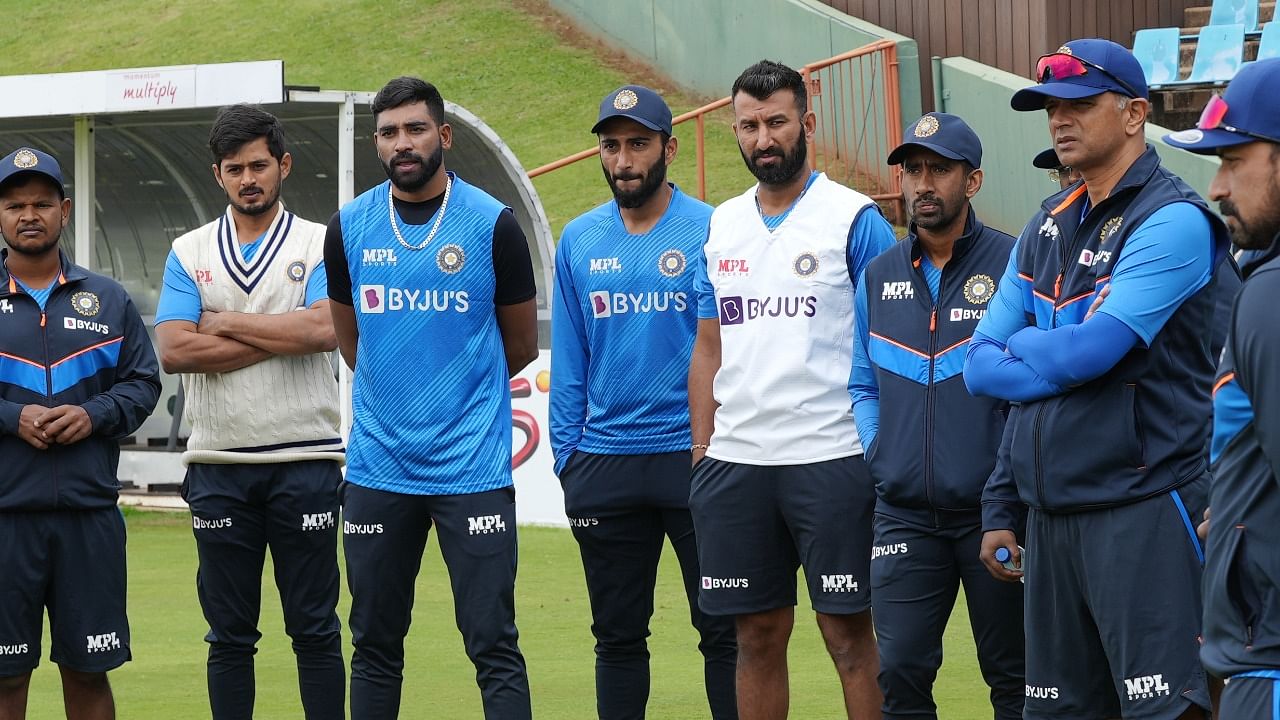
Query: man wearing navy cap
(1241,614)
(623,309)
(1106,438)
(1064,175)
(77,374)
(914,312)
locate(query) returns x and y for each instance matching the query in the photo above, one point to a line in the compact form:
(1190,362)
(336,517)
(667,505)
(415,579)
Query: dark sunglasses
(1060,66)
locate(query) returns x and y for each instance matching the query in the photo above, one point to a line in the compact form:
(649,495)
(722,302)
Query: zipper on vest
(48,385)
(929,391)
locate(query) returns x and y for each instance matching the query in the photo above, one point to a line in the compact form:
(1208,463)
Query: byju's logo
(18,649)
(379,256)
(958,314)
(839,583)
(485,524)
(710,583)
(200,523)
(350,528)
(372,298)
(607,304)
(735,309)
(1146,686)
(1042,693)
(317,521)
(601,304)
(102,642)
(891,549)
(71,323)
(583,522)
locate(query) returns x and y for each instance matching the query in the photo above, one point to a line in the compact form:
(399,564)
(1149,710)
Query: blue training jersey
(431,401)
(623,323)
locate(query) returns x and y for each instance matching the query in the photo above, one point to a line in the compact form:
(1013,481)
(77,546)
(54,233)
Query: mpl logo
(378,256)
(736,309)
(897,290)
(839,583)
(485,525)
(726,267)
(6,306)
(711,583)
(102,642)
(958,314)
(204,277)
(1049,228)
(317,521)
(1146,686)
(605,265)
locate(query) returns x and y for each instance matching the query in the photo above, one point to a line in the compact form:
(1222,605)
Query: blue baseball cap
(1252,101)
(30,160)
(635,102)
(1047,160)
(943,133)
(1107,67)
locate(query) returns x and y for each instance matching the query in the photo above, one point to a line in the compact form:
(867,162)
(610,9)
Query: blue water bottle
(1005,558)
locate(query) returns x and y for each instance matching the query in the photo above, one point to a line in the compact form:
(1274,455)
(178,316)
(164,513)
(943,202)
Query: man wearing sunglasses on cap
(1106,439)
(1242,611)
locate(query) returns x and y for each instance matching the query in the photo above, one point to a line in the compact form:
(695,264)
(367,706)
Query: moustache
(760,154)
(406,156)
(1226,207)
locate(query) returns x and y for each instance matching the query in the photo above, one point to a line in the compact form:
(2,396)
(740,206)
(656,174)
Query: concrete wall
(1012,189)
(704,45)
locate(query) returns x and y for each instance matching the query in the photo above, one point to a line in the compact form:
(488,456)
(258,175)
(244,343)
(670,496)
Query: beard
(945,215)
(1258,233)
(34,248)
(414,180)
(792,162)
(268,201)
(650,181)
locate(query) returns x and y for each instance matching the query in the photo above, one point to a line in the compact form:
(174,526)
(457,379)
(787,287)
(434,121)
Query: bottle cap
(1003,555)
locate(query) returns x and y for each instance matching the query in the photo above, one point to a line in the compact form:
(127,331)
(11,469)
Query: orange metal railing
(854,97)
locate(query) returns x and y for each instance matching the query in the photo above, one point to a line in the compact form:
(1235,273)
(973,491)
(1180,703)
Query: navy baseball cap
(30,160)
(636,102)
(943,133)
(1047,160)
(1080,69)
(1249,110)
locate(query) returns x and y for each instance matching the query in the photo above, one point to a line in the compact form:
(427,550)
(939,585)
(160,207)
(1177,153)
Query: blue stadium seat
(1219,50)
(1270,45)
(1235,12)
(1157,52)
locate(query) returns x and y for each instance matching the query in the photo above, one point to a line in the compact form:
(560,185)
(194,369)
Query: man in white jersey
(783,484)
(434,308)
(244,317)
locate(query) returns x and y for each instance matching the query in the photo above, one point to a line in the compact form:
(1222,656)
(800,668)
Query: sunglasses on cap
(1215,111)
(1060,66)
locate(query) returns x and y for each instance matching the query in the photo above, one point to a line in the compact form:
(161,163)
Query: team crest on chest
(296,270)
(671,263)
(979,289)
(450,258)
(805,264)
(1109,228)
(86,303)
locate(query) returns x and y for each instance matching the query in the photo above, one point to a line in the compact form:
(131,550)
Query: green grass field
(166,678)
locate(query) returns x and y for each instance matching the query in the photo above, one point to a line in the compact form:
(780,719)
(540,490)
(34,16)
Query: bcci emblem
(25,159)
(625,100)
(85,303)
(1109,228)
(450,258)
(805,264)
(1064,50)
(296,270)
(979,289)
(671,263)
(927,126)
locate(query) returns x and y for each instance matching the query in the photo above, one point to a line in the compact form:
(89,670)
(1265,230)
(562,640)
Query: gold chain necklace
(395,227)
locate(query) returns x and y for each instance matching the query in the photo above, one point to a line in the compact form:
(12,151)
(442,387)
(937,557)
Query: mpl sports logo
(737,309)
(714,583)
(6,306)
(1146,686)
(607,304)
(839,583)
(605,265)
(102,642)
(897,290)
(317,521)
(378,299)
(485,525)
(730,267)
(378,257)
